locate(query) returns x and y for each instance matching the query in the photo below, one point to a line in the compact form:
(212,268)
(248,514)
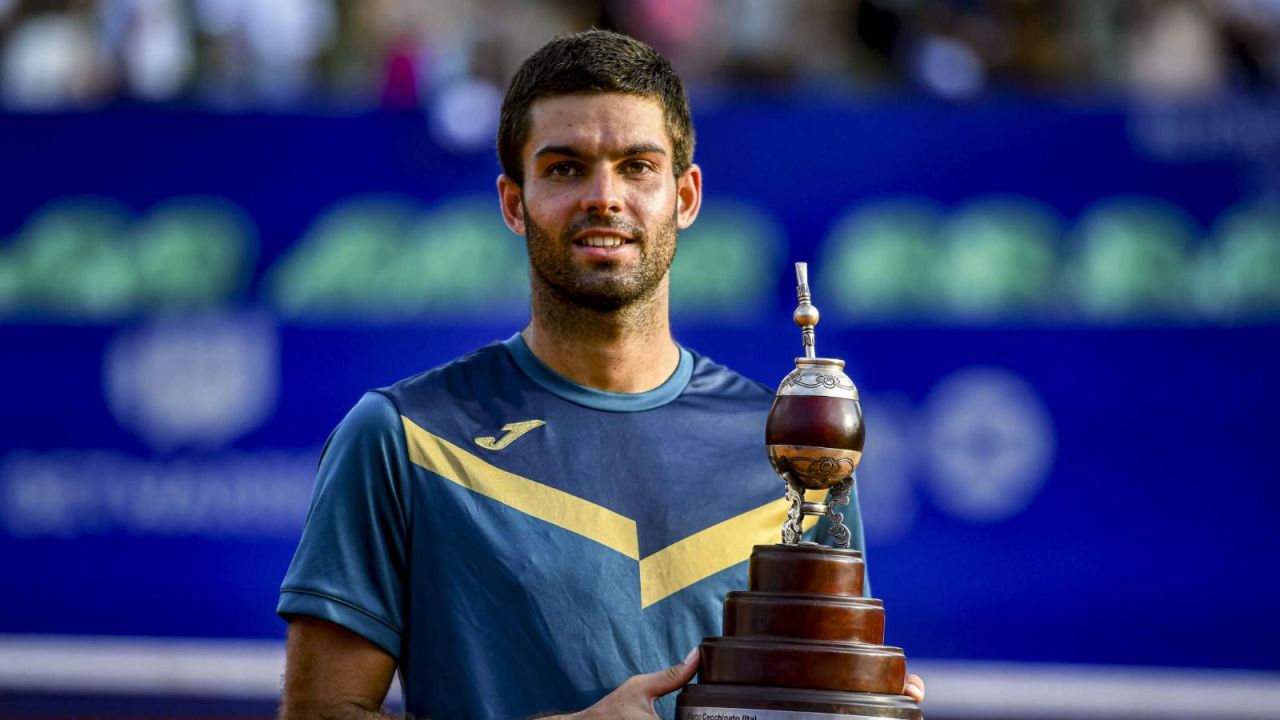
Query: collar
(569,390)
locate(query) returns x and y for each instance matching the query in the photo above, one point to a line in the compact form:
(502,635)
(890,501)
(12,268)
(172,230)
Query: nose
(601,195)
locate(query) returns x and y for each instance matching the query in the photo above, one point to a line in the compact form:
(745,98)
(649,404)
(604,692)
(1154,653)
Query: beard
(608,285)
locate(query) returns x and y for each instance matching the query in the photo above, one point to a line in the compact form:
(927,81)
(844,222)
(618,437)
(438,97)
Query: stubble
(577,300)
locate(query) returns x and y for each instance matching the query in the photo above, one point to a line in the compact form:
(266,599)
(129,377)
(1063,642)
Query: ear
(509,197)
(688,196)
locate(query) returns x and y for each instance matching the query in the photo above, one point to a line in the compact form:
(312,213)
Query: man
(523,530)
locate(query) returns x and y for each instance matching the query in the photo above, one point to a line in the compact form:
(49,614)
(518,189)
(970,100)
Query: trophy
(802,643)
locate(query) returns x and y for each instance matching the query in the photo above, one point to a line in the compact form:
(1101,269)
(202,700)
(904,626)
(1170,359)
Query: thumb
(657,684)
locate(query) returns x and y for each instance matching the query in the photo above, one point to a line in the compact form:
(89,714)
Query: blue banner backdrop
(1040,485)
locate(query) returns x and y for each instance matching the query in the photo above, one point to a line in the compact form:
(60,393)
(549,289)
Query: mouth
(601,238)
(601,243)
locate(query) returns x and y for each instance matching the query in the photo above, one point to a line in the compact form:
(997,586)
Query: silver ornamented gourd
(814,433)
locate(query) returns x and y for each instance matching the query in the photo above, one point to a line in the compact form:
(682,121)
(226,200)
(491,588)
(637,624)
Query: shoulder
(376,421)
(710,378)
(367,446)
(455,400)
(373,419)
(489,367)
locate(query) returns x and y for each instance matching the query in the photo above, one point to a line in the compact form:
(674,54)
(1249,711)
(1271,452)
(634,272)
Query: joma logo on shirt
(514,431)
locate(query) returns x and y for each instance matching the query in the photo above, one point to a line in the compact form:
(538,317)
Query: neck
(628,350)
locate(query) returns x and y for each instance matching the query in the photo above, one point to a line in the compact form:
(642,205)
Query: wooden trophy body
(801,643)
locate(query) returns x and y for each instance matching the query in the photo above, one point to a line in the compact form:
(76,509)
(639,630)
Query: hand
(633,700)
(914,688)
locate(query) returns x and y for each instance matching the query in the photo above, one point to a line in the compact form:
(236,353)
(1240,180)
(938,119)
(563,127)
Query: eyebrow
(569,151)
(644,149)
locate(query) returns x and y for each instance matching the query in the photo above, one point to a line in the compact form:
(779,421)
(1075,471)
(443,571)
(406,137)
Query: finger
(914,688)
(657,684)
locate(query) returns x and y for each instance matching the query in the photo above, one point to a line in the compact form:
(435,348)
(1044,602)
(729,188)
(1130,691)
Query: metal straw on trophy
(801,643)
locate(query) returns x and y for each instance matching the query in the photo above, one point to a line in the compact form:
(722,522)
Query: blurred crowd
(68,54)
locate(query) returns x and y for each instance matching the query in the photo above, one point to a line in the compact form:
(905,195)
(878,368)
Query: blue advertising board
(1062,319)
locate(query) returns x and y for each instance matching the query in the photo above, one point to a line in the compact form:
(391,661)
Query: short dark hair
(586,63)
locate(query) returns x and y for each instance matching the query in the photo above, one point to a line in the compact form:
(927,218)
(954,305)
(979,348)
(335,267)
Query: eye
(562,170)
(637,167)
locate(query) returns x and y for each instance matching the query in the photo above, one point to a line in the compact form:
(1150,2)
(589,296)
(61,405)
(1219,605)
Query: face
(600,206)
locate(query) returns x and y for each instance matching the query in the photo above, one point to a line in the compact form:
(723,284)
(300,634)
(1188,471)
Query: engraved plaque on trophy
(801,643)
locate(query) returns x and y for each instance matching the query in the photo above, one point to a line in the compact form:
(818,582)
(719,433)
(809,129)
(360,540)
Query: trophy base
(747,702)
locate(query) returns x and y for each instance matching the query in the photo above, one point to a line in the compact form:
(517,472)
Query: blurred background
(1045,236)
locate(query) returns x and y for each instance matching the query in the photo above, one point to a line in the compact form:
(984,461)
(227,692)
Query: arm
(342,595)
(332,673)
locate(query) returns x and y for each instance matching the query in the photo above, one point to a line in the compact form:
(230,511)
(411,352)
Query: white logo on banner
(79,493)
(990,444)
(195,382)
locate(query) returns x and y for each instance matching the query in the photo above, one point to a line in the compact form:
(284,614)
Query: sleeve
(350,566)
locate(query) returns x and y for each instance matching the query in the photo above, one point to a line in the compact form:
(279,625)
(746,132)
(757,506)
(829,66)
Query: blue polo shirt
(522,544)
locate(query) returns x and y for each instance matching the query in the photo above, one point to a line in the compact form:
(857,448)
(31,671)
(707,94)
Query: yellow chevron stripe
(663,573)
(716,548)
(530,497)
